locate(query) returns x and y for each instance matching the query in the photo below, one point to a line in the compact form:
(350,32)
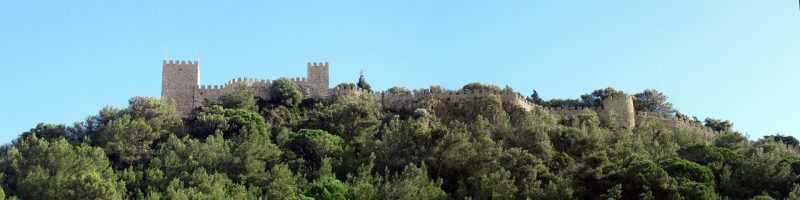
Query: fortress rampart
(180,82)
(676,122)
(616,111)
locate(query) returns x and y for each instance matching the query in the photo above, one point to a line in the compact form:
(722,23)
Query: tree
(365,184)
(362,83)
(42,169)
(347,117)
(328,187)
(596,97)
(535,98)
(127,140)
(731,140)
(413,183)
(399,91)
(795,194)
(787,140)
(314,145)
(652,101)
(496,185)
(47,131)
(481,87)
(242,97)
(283,183)
(285,92)
(719,125)
(691,171)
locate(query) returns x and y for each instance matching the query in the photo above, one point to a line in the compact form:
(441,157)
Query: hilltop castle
(181,83)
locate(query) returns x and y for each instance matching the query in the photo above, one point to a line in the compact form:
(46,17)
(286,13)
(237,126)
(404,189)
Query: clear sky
(62,61)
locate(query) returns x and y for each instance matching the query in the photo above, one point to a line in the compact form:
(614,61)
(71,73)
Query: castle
(181,83)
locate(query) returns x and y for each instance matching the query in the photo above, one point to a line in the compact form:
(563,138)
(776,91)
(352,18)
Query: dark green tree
(362,82)
(535,98)
(327,187)
(285,92)
(242,97)
(41,169)
(652,101)
(719,125)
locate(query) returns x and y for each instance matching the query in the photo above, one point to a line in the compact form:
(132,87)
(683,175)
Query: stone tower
(317,78)
(618,112)
(179,82)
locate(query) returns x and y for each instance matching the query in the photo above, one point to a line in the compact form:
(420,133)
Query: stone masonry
(180,82)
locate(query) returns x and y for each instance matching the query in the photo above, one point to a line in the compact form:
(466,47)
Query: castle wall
(213,92)
(679,123)
(414,99)
(569,111)
(180,82)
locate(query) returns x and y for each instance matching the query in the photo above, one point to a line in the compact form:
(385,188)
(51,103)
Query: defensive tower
(618,112)
(179,82)
(318,78)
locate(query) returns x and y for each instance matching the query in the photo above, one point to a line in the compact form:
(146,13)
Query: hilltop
(479,142)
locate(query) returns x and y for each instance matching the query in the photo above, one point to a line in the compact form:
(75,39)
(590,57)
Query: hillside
(476,142)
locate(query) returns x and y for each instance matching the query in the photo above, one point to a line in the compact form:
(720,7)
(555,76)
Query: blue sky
(62,61)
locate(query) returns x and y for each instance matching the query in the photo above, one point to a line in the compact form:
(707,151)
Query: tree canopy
(294,147)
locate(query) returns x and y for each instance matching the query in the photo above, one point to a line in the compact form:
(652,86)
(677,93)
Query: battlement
(299,79)
(677,122)
(180,62)
(318,65)
(181,82)
(350,90)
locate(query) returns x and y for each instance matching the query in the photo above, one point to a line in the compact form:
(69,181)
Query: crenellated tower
(317,78)
(179,82)
(618,112)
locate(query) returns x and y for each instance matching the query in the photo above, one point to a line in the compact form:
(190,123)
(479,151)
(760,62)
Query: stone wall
(180,82)
(618,112)
(680,123)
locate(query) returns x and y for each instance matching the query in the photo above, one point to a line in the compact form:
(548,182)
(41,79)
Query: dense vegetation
(291,147)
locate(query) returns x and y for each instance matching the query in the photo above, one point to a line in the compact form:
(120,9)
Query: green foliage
(347,117)
(596,97)
(719,125)
(795,194)
(47,131)
(283,184)
(731,140)
(40,169)
(362,83)
(535,98)
(476,147)
(285,92)
(684,169)
(652,101)
(328,188)
(315,145)
(399,91)
(242,97)
(480,86)
(412,183)
(787,140)
(762,197)
(127,140)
